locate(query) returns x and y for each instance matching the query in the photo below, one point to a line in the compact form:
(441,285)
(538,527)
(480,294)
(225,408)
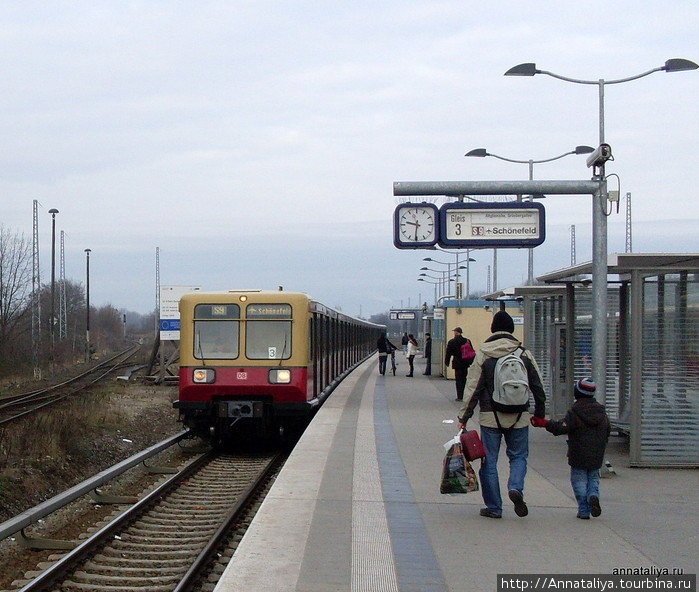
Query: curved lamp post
(435,284)
(599,219)
(482,153)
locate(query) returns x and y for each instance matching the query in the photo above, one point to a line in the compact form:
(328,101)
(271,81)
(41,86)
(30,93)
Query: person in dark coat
(459,365)
(588,428)
(385,348)
(404,342)
(428,354)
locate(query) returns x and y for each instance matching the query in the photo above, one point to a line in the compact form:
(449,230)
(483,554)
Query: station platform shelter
(652,371)
(474,318)
(357,507)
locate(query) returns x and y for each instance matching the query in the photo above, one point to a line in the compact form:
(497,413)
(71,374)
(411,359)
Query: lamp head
(480,152)
(53,211)
(679,65)
(583,149)
(427,259)
(528,69)
(88,251)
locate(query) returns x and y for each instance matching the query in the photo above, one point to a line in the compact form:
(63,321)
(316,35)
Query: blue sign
(492,225)
(169,324)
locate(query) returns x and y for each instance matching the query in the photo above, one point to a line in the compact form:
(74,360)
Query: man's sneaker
(583,517)
(595,508)
(520,507)
(488,513)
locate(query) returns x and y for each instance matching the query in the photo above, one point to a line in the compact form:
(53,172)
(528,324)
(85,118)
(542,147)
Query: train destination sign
(495,224)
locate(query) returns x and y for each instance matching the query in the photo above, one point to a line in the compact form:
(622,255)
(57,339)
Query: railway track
(20,405)
(171,539)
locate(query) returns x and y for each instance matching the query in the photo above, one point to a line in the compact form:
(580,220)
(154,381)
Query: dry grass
(60,446)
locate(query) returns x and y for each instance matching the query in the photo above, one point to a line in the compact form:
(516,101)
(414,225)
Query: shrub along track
(169,539)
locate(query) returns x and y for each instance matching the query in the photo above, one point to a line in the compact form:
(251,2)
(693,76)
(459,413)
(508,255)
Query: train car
(262,361)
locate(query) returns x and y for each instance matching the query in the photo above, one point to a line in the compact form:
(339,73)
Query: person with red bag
(501,369)
(459,364)
(588,429)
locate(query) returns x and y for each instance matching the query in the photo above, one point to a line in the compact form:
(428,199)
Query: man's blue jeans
(585,483)
(517,448)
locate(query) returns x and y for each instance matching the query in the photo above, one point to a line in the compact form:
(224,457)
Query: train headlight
(280,376)
(204,375)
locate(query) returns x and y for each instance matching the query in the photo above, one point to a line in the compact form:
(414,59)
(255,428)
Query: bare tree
(15,285)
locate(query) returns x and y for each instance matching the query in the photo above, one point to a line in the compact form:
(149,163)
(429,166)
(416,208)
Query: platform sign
(402,315)
(170,310)
(489,225)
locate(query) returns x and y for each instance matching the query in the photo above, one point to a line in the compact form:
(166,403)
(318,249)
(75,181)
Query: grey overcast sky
(256,142)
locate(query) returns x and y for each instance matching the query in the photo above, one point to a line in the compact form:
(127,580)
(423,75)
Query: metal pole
(530,257)
(52,322)
(599,271)
(468,270)
(456,284)
(87,305)
(495,270)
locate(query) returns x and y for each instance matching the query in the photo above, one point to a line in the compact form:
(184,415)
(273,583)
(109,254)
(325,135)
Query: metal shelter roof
(514,292)
(625,263)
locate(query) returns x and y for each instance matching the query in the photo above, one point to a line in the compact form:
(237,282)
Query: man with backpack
(460,360)
(503,378)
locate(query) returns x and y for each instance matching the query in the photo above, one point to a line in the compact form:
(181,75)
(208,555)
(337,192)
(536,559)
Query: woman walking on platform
(412,352)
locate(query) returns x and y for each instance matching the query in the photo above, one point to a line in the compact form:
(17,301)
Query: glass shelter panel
(670,371)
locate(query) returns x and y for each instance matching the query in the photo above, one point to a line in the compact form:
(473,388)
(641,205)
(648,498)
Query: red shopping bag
(471,445)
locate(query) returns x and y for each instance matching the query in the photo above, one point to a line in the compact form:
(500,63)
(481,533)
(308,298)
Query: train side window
(216,331)
(267,332)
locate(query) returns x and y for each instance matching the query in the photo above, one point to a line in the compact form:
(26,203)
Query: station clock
(415,225)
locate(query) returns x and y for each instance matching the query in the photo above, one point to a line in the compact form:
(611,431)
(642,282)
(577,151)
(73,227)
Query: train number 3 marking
(242,375)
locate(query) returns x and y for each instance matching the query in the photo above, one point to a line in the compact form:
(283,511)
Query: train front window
(216,331)
(268,332)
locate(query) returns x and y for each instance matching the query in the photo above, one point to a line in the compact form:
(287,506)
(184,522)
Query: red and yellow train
(262,361)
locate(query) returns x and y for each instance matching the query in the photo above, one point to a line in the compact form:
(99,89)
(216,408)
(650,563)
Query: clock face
(415,225)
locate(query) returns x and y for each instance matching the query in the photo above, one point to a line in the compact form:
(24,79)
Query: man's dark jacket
(588,428)
(454,352)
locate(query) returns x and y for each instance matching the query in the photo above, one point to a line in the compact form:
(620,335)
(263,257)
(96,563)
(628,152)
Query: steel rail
(52,576)
(13,399)
(48,579)
(55,398)
(204,558)
(29,517)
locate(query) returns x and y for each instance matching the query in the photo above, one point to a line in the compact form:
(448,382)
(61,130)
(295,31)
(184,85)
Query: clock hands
(416,225)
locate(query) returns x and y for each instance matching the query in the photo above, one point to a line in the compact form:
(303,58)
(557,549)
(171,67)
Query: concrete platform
(357,506)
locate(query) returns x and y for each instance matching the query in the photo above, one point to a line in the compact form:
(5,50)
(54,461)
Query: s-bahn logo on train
(259,363)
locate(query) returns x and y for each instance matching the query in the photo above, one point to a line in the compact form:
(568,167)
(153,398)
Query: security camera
(602,154)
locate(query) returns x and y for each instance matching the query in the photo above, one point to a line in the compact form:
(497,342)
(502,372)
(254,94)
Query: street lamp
(87,307)
(53,212)
(482,152)
(599,218)
(435,284)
